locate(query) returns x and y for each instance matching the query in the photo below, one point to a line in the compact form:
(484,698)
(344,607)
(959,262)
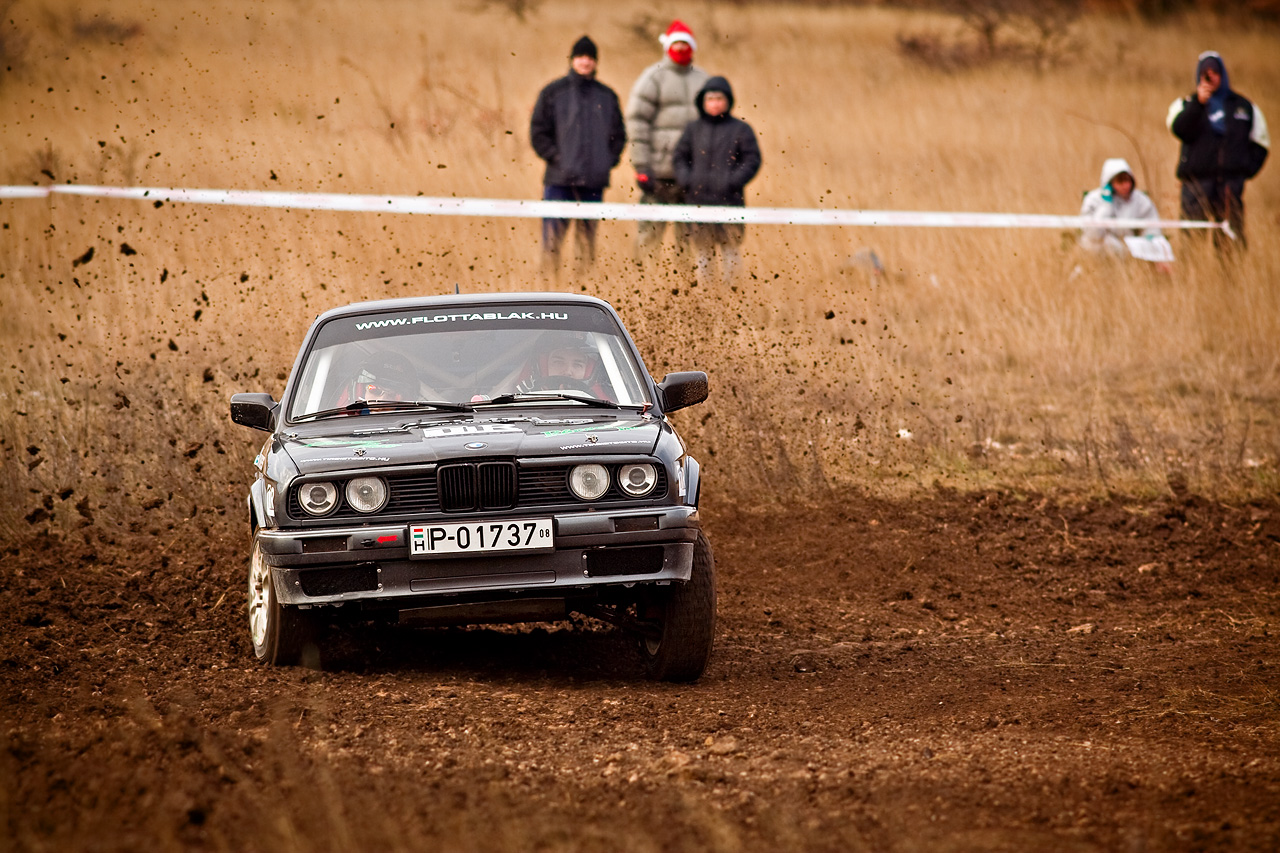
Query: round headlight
(589,482)
(318,498)
(367,494)
(637,480)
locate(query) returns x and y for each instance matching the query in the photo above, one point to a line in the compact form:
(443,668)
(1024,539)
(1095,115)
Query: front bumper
(371,563)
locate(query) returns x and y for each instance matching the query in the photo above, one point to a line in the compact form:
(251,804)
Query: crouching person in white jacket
(1117,198)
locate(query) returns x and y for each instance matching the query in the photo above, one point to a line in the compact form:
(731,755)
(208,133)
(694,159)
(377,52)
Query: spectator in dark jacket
(1224,143)
(577,128)
(715,158)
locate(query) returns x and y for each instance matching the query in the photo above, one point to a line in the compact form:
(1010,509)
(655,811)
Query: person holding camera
(1224,143)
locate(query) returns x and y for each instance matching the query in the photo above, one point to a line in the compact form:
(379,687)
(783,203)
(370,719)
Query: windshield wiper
(385,406)
(547,396)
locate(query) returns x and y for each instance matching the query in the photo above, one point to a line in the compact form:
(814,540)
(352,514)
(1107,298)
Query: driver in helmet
(568,361)
(382,376)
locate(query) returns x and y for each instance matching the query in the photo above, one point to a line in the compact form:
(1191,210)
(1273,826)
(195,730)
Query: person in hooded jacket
(716,157)
(1117,197)
(1224,143)
(577,128)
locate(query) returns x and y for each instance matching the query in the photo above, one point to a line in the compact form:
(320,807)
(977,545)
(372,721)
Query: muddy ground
(962,672)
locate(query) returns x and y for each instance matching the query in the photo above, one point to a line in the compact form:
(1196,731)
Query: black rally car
(478,459)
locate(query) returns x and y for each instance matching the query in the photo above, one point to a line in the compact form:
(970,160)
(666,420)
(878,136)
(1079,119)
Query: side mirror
(686,388)
(254,410)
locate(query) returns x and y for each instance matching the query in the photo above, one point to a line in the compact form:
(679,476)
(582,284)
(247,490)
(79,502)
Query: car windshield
(468,355)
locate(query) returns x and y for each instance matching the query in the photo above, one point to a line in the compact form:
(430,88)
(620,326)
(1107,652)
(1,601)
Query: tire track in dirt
(954,672)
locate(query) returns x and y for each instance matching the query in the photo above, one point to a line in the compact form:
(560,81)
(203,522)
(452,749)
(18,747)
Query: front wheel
(684,619)
(279,633)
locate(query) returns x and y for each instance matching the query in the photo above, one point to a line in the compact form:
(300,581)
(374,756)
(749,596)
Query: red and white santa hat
(677,32)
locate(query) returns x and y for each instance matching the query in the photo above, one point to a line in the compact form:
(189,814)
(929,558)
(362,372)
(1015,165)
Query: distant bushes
(1036,32)
(1158,9)
(12,43)
(1040,32)
(1149,9)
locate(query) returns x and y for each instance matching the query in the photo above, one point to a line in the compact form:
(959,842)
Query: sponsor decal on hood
(344,441)
(614,427)
(463,430)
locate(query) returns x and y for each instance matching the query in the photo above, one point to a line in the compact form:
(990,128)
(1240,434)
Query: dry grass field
(1006,356)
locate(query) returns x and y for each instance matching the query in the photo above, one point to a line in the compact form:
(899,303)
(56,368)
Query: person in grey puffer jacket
(716,157)
(660,106)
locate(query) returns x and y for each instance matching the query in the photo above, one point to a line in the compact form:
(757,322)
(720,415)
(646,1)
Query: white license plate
(480,537)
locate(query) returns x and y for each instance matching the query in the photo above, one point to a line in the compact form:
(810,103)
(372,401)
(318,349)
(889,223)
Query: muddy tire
(686,616)
(278,633)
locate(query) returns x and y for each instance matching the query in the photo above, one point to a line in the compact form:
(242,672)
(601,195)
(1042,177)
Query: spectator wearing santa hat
(660,106)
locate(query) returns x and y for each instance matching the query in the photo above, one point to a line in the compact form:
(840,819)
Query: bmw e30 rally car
(478,459)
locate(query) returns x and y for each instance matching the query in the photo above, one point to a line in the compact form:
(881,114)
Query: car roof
(463,300)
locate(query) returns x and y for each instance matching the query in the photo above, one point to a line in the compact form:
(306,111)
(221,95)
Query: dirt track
(965,672)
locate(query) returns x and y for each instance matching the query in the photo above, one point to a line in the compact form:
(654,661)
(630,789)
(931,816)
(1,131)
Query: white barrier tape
(24,192)
(492,207)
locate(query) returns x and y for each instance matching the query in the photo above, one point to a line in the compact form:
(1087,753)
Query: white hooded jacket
(1102,203)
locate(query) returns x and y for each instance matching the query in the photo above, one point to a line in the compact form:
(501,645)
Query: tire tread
(688,629)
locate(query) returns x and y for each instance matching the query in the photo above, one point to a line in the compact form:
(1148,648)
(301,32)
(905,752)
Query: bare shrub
(42,166)
(645,27)
(518,9)
(1162,10)
(1022,31)
(13,44)
(489,120)
(421,107)
(945,54)
(105,30)
(120,159)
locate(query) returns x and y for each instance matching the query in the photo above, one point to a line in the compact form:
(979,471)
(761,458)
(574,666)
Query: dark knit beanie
(584,47)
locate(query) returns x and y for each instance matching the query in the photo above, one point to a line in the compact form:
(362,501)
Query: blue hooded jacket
(1225,138)
(1217,105)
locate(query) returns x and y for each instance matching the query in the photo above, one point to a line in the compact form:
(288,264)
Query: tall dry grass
(1004,356)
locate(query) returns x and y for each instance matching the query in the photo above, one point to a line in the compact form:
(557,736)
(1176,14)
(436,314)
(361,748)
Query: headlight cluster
(637,480)
(587,482)
(318,498)
(364,494)
(591,482)
(367,494)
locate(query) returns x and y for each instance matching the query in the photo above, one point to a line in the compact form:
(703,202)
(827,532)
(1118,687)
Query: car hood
(376,442)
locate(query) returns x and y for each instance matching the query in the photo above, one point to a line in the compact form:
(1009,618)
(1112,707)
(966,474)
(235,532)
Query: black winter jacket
(1205,154)
(716,155)
(577,128)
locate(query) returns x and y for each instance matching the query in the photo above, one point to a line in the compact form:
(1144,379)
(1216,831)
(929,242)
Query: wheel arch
(692,480)
(257,500)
